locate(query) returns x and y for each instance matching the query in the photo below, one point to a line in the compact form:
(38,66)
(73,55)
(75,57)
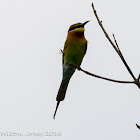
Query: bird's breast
(75,51)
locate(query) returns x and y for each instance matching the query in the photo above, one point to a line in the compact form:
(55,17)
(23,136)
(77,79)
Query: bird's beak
(85,23)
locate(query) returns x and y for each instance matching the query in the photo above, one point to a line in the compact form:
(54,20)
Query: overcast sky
(32,32)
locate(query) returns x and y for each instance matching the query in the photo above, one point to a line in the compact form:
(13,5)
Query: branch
(138,126)
(122,58)
(116,47)
(104,78)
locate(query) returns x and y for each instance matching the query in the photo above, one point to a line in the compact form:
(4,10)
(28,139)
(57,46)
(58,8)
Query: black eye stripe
(79,26)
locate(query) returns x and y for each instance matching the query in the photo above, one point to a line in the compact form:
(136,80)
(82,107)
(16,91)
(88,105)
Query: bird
(75,48)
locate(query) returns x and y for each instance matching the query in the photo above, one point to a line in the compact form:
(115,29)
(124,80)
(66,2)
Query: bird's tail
(62,90)
(67,73)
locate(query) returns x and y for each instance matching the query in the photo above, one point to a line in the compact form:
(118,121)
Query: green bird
(74,50)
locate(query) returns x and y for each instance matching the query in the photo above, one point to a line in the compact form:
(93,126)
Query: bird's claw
(78,67)
(62,51)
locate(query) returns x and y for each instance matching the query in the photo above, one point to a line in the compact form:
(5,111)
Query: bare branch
(122,58)
(116,47)
(137,82)
(100,23)
(104,78)
(116,43)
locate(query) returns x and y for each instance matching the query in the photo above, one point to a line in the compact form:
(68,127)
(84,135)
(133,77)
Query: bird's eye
(79,26)
(76,27)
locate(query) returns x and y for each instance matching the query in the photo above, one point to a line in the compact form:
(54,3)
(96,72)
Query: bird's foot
(78,67)
(62,51)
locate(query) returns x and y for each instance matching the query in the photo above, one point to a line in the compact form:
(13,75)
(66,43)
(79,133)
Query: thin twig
(122,58)
(104,78)
(116,47)
(116,43)
(100,23)
(112,80)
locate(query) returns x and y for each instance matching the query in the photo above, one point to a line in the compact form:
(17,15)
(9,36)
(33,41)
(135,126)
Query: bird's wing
(65,47)
(85,48)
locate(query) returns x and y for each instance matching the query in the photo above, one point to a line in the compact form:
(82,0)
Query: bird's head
(78,27)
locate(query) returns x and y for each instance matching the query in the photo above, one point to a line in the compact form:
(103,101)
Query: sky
(32,32)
